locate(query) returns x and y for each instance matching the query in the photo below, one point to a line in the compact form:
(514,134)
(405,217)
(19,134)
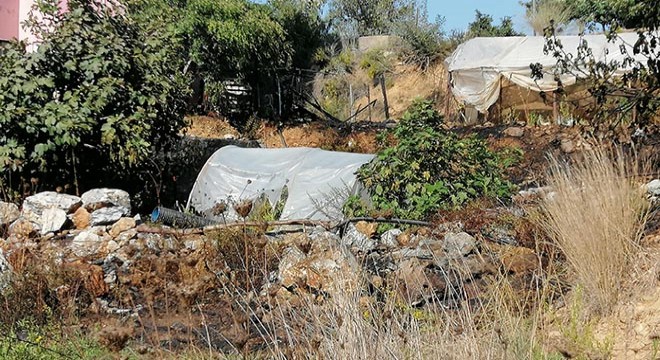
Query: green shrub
(97,91)
(427,169)
(375,63)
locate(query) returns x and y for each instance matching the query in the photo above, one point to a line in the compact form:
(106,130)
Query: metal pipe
(178,219)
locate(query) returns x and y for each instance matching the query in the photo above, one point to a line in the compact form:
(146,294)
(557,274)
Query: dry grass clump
(596,214)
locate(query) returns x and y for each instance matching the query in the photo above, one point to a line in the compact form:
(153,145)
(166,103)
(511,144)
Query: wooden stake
(385,103)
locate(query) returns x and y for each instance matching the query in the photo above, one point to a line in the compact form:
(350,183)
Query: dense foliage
(97,89)
(482,26)
(619,13)
(630,100)
(375,17)
(427,169)
(233,38)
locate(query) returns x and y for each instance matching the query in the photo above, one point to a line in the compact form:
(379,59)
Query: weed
(579,332)
(596,214)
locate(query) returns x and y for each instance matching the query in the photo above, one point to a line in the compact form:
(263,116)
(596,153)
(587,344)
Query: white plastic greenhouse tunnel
(310,183)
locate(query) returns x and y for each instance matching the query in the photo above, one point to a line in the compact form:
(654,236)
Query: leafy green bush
(375,63)
(97,91)
(427,169)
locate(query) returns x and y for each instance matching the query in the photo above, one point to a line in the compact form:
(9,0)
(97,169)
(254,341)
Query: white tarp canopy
(318,182)
(479,65)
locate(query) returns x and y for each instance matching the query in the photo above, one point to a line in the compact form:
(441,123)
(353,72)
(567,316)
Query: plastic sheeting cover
(478,65)
(318,182)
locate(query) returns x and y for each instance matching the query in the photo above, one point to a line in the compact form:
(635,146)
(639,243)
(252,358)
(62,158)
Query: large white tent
(318,182)
(479,66)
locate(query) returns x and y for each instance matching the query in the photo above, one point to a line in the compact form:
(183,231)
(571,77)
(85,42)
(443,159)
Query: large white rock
(104,197)
(52,220)
(8,213)
(107,215)
(34,206)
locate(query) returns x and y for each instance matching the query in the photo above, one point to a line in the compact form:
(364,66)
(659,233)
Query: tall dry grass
(501,324)
(596,214)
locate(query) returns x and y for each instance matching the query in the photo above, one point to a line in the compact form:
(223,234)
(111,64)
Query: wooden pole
(448,95)
(385,103)
(279,97)
(555,107)
(369,100)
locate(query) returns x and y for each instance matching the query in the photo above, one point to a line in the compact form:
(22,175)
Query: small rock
(501,235)
(404,239)
(653,187)
(52,220)
(407,253)
(389,238)
(459,244)
(194,244)
(80,218)
(415,284)
(110,277)
(519,259)
(291,256)
(23,228)
(567,146)
(122,225)
(472,266)
(8,213)
(107,215)
(34,206)
(5,271)
(368,229)
(109,247)
(355,239)
(514,131)
(86,243)
(99,198)
(126,236)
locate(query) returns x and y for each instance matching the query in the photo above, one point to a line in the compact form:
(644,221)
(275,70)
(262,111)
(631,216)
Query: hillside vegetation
(511,237)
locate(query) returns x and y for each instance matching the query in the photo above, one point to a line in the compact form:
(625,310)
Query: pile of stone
(50,212)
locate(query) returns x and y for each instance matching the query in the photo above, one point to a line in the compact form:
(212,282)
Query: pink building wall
(9,19)
(12,14)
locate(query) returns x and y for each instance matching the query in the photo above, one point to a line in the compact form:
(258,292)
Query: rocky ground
(89,263)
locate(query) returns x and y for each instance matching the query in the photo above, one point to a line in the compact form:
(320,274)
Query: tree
(540,13)
(631,100)
(374,17)
(424,39)
(234,38)
(306,32)
(97,91)
(629,14)
(483,26)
